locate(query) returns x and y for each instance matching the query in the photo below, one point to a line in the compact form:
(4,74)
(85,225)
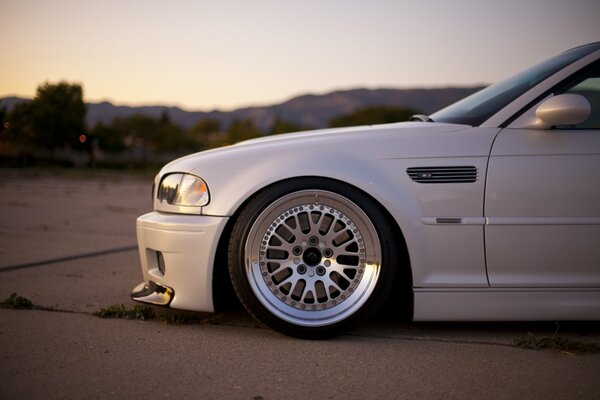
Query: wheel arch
(401,296)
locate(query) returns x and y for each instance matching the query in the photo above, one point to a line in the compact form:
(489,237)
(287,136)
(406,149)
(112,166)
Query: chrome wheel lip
(333,310)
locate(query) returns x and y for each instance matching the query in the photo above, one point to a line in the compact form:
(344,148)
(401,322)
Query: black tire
(312,258)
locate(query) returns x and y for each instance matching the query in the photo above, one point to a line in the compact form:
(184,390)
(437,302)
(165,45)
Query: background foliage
(51,129)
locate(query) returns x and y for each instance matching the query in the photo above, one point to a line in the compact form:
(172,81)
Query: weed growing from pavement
(120,311)
(147,313)
(182,318)
(17,302)
(557,343)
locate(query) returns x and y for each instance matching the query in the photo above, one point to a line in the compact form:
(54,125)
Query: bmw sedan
(486,210)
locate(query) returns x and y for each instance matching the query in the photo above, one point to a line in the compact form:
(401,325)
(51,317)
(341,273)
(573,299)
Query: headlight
(183,190)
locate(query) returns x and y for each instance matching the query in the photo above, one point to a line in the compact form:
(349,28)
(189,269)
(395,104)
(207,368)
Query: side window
(589,88)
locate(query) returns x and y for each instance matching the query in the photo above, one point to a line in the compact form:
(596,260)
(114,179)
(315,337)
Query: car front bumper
(177,253)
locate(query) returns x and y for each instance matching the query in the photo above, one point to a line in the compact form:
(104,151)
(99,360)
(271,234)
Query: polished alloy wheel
(312,257)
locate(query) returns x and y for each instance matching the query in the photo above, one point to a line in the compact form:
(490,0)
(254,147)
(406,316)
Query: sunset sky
(224,54)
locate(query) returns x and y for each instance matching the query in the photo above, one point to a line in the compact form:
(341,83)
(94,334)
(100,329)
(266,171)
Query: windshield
(477,108)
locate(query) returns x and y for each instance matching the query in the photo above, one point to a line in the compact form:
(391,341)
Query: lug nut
(297,250)
(327,253)
(301,269)
(320,270)
(313,240)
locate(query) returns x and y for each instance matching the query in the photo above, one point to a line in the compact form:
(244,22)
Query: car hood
(398,140)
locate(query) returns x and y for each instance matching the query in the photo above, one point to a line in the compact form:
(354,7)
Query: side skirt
(507,304)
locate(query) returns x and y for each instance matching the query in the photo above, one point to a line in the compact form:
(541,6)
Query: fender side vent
(466,174)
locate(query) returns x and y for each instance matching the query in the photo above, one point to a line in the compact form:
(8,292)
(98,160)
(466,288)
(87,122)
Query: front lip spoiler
(153,293)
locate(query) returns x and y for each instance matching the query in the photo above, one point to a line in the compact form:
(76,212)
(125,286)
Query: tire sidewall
(261,201)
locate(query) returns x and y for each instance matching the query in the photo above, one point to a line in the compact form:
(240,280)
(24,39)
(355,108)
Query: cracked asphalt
(67,243)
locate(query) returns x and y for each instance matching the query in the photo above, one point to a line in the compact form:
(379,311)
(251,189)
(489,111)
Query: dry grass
(17,302)
(556,343)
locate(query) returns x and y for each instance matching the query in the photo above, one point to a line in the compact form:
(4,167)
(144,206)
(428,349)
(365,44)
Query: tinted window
(477,108)
(588,87)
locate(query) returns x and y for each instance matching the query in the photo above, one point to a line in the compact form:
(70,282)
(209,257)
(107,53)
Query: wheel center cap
(312,256)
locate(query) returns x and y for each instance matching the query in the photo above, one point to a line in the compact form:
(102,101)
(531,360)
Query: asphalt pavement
(67,243)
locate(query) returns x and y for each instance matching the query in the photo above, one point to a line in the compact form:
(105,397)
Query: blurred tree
(241,130)
(110,139)
(19,133)
(281,126)
(18,125)
(171,137)
(372,116)
(164,117)
(3,122)
(152,135)
(206,133)
(58,115)
(206,126)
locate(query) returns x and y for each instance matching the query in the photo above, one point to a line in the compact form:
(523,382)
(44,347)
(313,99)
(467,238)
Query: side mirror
(564,109)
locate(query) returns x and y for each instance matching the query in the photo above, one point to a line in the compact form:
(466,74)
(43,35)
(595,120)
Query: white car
(486,210)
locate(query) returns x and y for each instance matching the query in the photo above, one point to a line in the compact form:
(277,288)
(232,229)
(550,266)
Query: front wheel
(312,258)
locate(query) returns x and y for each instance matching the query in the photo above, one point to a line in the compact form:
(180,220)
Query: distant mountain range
(310,111)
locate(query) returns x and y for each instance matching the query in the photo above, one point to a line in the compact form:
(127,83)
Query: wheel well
(399,301)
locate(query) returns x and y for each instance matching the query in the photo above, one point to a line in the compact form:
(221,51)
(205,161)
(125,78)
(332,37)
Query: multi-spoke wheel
(311,258)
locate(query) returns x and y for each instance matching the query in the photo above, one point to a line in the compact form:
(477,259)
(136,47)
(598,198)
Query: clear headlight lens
(183,190)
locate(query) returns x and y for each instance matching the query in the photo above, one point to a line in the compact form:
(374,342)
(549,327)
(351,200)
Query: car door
(542,199)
